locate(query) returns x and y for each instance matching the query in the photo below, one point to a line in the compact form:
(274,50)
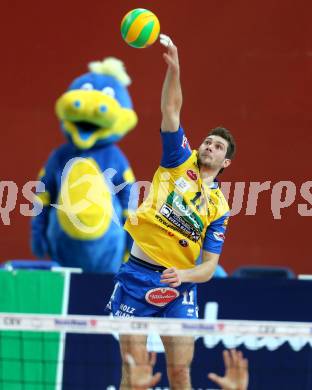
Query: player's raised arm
(171,96)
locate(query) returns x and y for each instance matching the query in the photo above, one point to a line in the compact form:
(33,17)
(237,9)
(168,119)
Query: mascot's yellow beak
(88,106)
(90,116)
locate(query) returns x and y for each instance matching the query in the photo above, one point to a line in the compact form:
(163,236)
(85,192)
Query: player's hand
(236,372)
(141,375)
(171,57)
(172,276)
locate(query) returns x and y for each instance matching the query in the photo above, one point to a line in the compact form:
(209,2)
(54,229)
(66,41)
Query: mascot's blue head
(97,107)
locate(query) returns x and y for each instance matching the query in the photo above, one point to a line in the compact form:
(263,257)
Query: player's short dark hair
(225,134)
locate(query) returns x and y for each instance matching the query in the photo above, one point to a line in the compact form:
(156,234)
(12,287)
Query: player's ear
(226,163)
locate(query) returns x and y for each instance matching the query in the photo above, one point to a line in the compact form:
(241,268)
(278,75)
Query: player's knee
(179,375)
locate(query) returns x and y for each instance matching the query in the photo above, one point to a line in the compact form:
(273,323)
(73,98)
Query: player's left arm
(199,274)
(212,248)
(202,272)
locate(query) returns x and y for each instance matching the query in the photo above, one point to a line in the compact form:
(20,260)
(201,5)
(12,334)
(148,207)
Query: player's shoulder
(191,162)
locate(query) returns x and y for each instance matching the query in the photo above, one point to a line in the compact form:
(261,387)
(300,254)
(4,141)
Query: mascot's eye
(87,86)
(109,91)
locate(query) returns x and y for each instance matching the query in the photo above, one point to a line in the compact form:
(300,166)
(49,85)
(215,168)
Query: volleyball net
(45,352)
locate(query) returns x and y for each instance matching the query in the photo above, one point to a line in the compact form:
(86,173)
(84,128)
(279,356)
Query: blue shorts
(138,292)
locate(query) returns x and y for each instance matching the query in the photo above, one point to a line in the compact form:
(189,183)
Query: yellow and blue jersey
(181,214)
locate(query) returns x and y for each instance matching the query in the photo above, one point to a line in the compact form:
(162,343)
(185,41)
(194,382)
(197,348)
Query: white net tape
(161,326)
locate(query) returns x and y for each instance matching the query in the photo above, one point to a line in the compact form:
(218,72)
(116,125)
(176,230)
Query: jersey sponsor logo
(191,174)
(182,185)
(166,210)
(179,205)
(183,243)
(161,296)
(182,226)
(219,236)
(193,236)
(185,142)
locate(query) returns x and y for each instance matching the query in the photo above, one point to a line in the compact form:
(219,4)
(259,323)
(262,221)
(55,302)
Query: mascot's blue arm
(39,223)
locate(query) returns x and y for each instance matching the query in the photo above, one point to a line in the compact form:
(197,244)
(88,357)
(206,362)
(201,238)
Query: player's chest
(188,196)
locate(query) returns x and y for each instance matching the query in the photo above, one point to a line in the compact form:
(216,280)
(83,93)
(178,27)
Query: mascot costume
(88,183)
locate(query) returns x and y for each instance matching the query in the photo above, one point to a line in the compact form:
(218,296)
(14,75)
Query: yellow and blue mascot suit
(88,183)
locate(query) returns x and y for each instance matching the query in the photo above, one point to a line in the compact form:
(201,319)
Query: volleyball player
(185,214)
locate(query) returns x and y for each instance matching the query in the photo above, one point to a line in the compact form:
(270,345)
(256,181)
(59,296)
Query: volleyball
(140,28)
